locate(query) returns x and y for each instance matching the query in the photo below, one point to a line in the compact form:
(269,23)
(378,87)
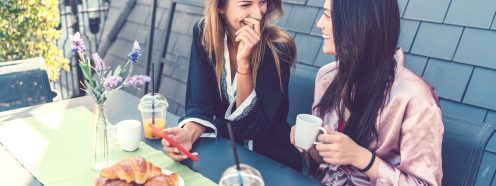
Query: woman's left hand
(249,37)
(339,149)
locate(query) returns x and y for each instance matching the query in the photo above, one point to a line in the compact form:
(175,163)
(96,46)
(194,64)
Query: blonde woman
(238,73)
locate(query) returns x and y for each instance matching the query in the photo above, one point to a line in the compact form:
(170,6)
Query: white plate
(168,172)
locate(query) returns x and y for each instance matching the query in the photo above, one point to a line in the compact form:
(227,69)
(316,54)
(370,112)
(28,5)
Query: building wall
(450,43)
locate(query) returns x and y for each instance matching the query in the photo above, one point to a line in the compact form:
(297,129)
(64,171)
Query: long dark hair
(365,35)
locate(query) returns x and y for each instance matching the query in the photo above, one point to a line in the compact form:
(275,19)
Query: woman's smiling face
(325,26)
(235,12)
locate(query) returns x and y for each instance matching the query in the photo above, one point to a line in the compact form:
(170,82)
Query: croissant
(135,169)
(163,180)
(102,181)
(160,180)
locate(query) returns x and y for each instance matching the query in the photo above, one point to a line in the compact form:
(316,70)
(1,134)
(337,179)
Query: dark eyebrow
(244,1)
(326,9)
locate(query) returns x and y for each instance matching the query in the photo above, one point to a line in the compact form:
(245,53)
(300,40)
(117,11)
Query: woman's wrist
(195,130)
(363,158)
(243,62)
(243,69)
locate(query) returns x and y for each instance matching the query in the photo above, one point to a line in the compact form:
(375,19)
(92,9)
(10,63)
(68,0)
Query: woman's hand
(292,138)
(339,149)
(183,137)
(249,37)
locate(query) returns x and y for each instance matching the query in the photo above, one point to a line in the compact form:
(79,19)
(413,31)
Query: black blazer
(265,123)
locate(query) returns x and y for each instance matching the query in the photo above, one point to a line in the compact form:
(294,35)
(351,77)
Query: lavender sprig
(106,80)
(99,63)
(137,80)
(112,82)
(135,53)
(77,45)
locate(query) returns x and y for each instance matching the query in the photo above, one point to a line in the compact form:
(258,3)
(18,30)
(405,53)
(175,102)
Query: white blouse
(228,93)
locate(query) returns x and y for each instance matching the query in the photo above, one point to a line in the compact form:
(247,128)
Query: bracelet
(370,163)
(242,73)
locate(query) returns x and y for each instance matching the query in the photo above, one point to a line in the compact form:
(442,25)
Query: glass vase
(101,139)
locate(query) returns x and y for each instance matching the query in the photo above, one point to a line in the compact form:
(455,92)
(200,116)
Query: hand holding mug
(306,129)
(339,149)
(292,138)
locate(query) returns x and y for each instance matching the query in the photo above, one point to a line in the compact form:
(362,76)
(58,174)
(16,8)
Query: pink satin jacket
(410,132)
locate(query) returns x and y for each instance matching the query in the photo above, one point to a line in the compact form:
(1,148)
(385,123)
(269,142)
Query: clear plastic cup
(247,176)
(153,110)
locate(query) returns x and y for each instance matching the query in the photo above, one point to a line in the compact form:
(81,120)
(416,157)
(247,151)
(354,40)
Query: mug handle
(323,131)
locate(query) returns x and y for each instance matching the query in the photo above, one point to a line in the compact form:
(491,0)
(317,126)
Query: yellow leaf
(67,68)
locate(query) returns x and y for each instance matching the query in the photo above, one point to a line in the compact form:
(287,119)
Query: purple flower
(137,80)
(135,53)
(77,43)
(99,64)
(112,82)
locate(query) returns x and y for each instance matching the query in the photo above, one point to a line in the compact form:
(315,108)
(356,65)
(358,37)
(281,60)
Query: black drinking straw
(153,95)
(235,152)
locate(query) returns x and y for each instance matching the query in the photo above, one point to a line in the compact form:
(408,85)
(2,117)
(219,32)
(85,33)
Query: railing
(170,20)
(87,17)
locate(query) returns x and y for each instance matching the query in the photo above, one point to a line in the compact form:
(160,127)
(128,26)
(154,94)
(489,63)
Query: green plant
(28,29)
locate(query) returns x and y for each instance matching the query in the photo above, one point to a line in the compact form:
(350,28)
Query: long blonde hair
(214,30)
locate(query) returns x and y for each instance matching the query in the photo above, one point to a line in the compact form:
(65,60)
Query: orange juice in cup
(159,123)
(153,106)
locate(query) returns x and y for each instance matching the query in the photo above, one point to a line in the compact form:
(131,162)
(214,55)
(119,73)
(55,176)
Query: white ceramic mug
(306,130)
(128,134)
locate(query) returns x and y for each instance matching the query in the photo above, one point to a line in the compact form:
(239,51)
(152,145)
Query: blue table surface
(215,154)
